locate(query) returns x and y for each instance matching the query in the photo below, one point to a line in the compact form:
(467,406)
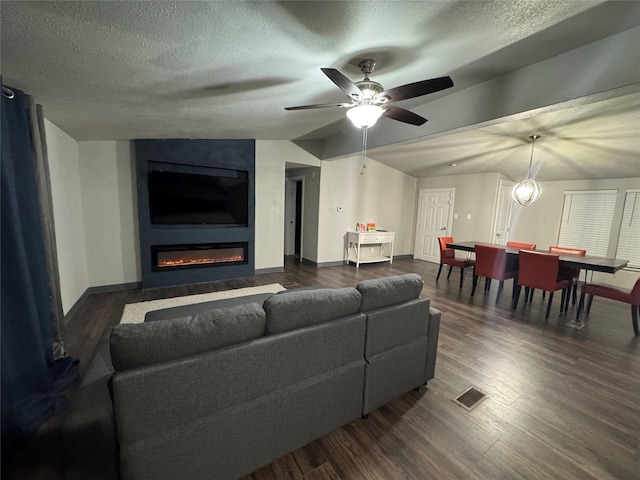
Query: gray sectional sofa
(218,390)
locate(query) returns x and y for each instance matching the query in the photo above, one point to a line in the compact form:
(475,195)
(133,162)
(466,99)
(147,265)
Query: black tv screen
(177,198)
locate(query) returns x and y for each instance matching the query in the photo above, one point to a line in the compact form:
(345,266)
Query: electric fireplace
(179,257)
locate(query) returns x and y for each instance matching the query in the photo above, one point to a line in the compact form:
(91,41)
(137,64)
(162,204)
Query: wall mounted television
(178,198)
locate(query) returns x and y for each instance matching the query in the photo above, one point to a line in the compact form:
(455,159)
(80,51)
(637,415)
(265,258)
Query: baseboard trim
(115,288)
(101,289)
(260,271)
(311,263)
(335,264)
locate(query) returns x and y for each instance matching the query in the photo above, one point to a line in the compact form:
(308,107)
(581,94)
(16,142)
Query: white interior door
(502,216)
(435,210)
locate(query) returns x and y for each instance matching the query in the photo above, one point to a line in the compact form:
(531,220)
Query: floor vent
(470,398)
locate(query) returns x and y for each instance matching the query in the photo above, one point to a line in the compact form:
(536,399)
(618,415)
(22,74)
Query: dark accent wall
(236,155)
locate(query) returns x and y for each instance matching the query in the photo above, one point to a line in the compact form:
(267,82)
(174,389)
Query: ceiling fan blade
(417,89)
(320,105)
(403,115)
(343,82)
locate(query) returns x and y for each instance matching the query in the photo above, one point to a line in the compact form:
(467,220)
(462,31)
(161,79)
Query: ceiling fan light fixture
(364,116)
(528,190)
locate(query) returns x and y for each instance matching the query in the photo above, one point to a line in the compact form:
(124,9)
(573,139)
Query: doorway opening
(293,217)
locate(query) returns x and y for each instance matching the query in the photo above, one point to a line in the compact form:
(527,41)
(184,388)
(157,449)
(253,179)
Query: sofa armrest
(432,345)
(90,447)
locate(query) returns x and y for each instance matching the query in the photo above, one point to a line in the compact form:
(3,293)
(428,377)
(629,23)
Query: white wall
(67,201)
(109,212)
(476,196)
(95,213)
(382,195)
(271,156)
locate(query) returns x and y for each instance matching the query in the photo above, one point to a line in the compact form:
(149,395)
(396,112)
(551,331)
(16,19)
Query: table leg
(578,323)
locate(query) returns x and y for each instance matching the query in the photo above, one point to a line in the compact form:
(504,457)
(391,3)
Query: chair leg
(526,294)
(634,318)
(549,305)
(449,274)
(474,284)
(439,270)
(566,299)
(487,284)
(575,294)
(531,294)
(563,299)
(544,294)
(515,296)
(461,276)
(500,287)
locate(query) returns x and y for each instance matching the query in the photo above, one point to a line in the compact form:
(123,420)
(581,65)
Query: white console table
(370,247)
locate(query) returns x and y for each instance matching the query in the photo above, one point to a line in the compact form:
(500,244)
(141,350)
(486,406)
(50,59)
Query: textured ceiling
(598,140)
(125,70)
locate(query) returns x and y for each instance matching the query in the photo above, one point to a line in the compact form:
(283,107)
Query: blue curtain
(32,381)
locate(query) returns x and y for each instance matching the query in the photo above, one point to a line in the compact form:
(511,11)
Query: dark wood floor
(562,403)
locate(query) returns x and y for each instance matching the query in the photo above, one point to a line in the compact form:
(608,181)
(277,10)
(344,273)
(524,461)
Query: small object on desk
(371,227)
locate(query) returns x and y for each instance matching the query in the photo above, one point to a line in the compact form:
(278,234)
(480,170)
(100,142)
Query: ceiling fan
(369,100)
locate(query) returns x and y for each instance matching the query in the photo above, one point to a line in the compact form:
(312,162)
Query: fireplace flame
(181,262)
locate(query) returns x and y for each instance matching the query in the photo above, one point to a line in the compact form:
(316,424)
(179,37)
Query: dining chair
(614,293)
(522,246)
(491,263)
(572,274)
(448,257)
(540,270)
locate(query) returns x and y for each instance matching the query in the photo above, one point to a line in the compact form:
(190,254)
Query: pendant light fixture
(528,191)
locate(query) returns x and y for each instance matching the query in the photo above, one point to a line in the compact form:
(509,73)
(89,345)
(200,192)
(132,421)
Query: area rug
(135,312)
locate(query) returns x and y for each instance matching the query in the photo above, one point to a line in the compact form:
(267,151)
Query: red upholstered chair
(572,274)
(491,263)
(522,246)
(614,293)
(540,270)
(448,257)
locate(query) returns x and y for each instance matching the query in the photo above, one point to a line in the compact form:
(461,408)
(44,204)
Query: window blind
(586,220)
(629,239)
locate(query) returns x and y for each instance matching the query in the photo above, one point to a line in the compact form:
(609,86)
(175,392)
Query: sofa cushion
(302,308)
(396,325)
(381,292)
(142,344)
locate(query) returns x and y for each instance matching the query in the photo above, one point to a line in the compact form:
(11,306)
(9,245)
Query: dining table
(583,262)
(588,263)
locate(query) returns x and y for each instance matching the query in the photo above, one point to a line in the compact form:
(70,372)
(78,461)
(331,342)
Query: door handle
(498,234)
(443,228)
